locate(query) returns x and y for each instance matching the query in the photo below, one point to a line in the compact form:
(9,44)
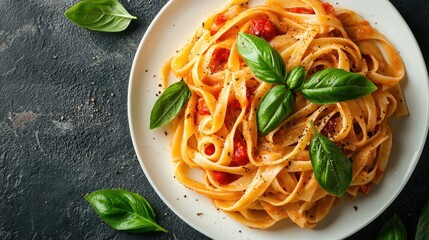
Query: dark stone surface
(64,129)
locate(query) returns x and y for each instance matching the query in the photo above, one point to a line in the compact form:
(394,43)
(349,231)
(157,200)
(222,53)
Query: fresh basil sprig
(274,108)
(124,210)
(332,169)
(264,61)
(296,78)
(334,85)
(100,15)
(169,104)
(422,232)
(393,229)
(331,85)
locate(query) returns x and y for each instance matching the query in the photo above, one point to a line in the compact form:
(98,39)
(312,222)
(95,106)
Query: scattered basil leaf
(393,229)
(296,77)
(100,15)
(334,85)
(264,61)
(274,108)
(332,169)
(124,210)
(169,104)
(422,232)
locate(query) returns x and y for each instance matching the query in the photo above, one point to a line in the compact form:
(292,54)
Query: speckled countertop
(64,129)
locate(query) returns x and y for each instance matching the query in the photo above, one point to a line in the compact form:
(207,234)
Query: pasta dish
(260,179)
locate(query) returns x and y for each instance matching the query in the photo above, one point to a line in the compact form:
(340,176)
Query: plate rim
(197,227)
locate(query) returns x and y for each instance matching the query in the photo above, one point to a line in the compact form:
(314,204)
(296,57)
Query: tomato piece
(239,155)
(202,107)
(218,22)
(220,19)
(263,28)
(301,10)
(224,178)
(365,188)
(210,149)
(329,9)
(219,59)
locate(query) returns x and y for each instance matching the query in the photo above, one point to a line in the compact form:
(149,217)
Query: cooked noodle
(259,180)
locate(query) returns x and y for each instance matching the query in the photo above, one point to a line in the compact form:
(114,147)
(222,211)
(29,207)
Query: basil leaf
(422,232)
(264,61)
(393,229)
(100,15)
(295,78)
(274,108)
(169,104)
(332,169)
(334,85)
(124,210)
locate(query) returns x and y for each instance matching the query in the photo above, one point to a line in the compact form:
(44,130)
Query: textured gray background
(64,129)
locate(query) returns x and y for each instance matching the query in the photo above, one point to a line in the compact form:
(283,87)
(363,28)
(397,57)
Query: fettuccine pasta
(259,180)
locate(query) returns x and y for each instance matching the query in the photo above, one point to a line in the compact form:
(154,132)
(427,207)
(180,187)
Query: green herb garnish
(124,210)
(334,85)
(422,232)
(393,229)
(332,169)
(100,15)
(274,108)
(331,85)
(169,104)
(296,78)
(264,61)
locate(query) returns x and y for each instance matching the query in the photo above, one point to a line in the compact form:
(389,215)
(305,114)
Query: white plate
(173,27)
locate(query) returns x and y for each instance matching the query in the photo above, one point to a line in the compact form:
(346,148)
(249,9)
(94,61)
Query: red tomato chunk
(365,188)
(329,9)
(301,10)
(218,22)
(224,178)
(263,28)
(210,149)
(239,156)
(202,107)
(219,59)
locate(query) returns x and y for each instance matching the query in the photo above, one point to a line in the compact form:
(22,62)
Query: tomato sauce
(365,188)
(210,149)
(239,158)
(224,178)
(218,22)
(219,59)
(202,107)
(239,155)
